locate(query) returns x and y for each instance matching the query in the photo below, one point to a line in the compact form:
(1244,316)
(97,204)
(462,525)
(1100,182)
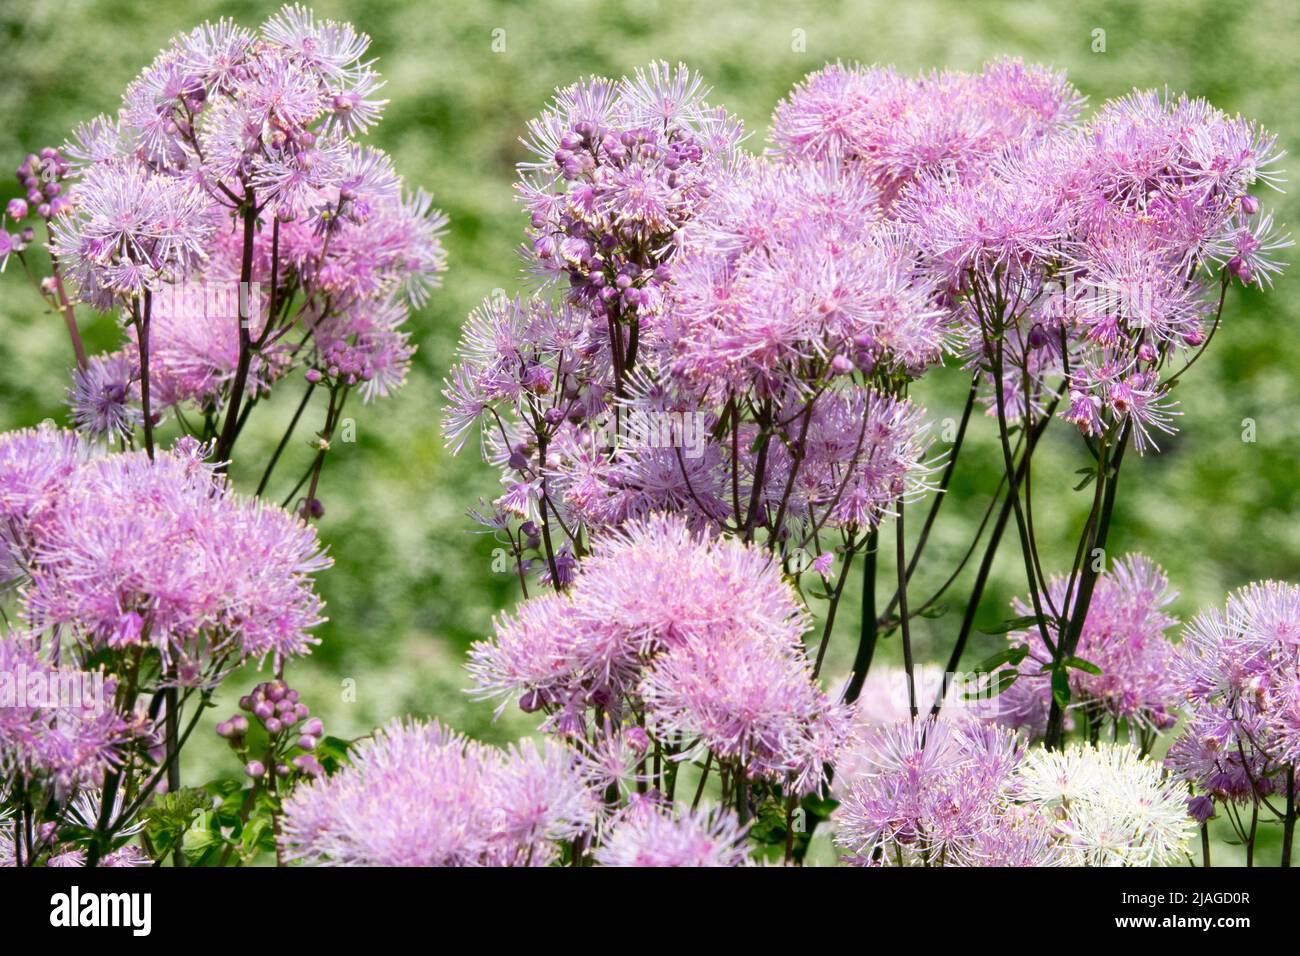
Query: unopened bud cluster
(288,725)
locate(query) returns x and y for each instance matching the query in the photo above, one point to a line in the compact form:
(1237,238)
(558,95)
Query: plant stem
(142,331)
(69,317)
(760,476)
(337,400)
(229,431)
(704,776)
(1088,576)
(1027,546)
(1288,822)
(939,495)
(1254,829)
(556,584)
(990,553)
(900,555)
(284,440)
(834,607)
(172,731)
(800,449)
(867,638)
(742,794)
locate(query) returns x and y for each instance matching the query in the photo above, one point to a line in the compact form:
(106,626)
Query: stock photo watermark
(25,689)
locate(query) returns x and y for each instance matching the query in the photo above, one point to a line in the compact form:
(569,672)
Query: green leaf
(1015,624)
(168,821)
(1061,687)
(1001,680)
(258,835)
(1011,655)
(933,613)
(332,752)
(1078,663)
(197,840)
(769,826)
(820,807)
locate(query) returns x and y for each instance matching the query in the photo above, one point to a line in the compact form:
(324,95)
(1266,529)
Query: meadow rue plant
(703,412)
(1238,673)
(703,419)
(231,216)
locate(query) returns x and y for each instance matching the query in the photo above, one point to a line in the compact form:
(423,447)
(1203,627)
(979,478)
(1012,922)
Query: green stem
(1288,822)
(867,638)
(905,625)
(230,430)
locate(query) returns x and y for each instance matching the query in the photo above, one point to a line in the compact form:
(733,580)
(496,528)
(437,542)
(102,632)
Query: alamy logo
(134,910)
(74,690)
(210,299)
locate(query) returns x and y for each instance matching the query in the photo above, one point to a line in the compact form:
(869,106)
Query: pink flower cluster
(702,636)
(1126,660)
(938,793)
(229,208)
(648,834)
(1238,675)
(1082,255)
(120,551)
(618,168)
(898,129)
(788,275)
(420,795)
(57,723)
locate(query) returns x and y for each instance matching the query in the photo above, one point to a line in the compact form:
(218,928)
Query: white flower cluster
(1113,806)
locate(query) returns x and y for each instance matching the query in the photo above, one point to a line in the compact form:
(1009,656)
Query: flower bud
(1200,808)
(308,764)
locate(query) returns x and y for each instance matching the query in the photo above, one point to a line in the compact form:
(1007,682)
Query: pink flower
(419,795)
(647,835)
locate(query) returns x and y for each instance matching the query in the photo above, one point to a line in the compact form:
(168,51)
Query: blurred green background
(413,585)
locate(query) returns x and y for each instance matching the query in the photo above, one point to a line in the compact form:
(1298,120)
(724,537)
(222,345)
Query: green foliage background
(413,586)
